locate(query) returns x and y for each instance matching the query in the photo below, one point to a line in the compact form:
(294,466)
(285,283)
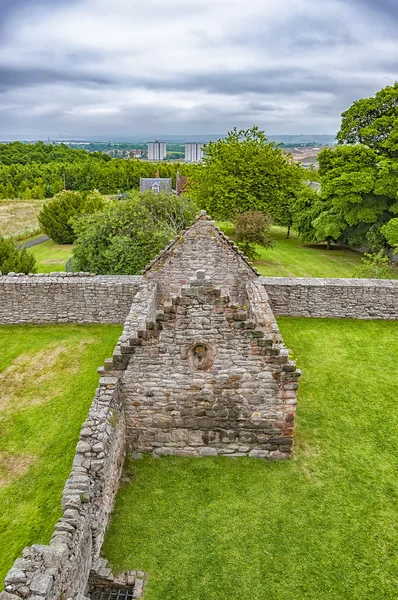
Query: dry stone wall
(339,298)
(202,248)
(216,380)
(66,298)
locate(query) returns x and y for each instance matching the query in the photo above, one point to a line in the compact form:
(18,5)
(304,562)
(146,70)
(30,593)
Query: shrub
(14,260)
(253,227)
(374,266)
(55,217)
(126,235)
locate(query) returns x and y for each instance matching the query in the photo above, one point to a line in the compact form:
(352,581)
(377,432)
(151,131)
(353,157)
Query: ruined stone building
(199,370)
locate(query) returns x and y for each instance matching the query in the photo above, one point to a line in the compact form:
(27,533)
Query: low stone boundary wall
(340,298)
(61,569)
(66,298)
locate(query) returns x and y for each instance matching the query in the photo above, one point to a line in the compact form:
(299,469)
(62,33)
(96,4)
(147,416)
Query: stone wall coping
(328,282)
(70,278)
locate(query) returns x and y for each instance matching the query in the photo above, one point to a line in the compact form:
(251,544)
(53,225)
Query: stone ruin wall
(236,396)
(178,306)
(333,298)
(66,298)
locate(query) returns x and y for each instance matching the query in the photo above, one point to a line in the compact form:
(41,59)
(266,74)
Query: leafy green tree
(373,122)
(359,195)
(253,227)
(243,172)
(390,232)
(55,217)
(126,235)
(12,259)
(374,266)
(305,209)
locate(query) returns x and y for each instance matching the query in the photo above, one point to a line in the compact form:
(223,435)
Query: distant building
(193,152)
(156,184)
(156,150)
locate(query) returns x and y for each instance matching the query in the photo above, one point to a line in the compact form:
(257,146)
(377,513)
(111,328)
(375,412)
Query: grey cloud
(282,70)
(16,78)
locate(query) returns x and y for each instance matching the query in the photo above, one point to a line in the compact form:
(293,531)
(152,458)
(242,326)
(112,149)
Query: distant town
(304,149)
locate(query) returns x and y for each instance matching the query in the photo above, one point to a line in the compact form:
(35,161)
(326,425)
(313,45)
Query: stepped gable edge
(203,216)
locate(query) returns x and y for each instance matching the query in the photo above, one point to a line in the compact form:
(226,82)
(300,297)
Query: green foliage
(390,232)
(126,235)
(244,172)
(253,227)
(319,527)
(359,195)
(23,153)
(375,266)
(55,217)
(373,122)
(48,379)
(14,260)
(83,175)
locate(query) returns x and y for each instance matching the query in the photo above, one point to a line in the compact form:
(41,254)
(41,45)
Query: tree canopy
(127,234)
(55,216)
(373,122)
(244,172)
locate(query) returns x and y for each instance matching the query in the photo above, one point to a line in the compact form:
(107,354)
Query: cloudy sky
(152,67)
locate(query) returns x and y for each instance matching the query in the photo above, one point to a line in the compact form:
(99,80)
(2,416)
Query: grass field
(47,379)
(19,216)
(322,526)
(291,258)
(51,256)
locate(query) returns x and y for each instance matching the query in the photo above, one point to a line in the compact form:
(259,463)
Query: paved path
(39,240)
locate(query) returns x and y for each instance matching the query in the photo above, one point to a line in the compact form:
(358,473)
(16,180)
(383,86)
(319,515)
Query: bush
(374,266)
(126,235)
(253,227)
(14,260)
(55,217)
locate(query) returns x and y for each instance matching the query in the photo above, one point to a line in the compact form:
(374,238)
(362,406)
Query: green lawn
(51,256)
(291,258)
(322,526)
(47,379)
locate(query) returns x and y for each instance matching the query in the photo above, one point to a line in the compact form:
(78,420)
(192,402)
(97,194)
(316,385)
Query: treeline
(22,153)
(44,180)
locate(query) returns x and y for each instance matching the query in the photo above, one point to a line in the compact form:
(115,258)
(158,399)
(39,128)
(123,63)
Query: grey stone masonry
(202,247)
(215,378)
(340,298)
(66,298)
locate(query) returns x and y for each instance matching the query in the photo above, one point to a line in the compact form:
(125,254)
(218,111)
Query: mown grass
(47,379)
(51,257)
(291,258)
(321,526)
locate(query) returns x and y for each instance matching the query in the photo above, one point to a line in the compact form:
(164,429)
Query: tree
(12,259)
(390,232)
(359,195)
(253,227)
(126,235)
(373,122)
(244,172)
(55,217)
